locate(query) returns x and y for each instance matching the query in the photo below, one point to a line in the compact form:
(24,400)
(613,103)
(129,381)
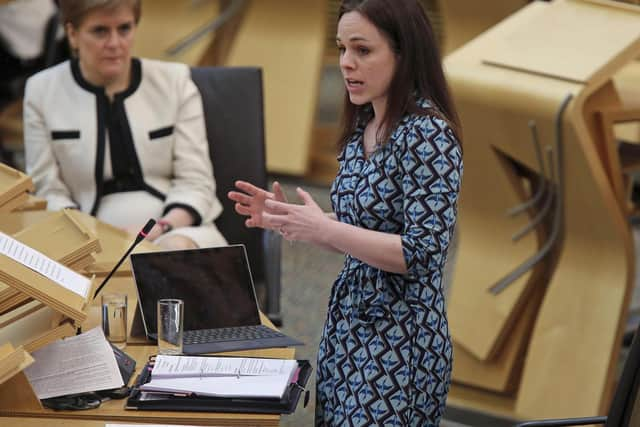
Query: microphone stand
(139,238)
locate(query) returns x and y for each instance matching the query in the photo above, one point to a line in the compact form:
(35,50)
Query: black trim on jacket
(65,134)
(197,219)
(112,118)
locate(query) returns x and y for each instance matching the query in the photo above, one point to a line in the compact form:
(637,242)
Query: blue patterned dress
(385,354)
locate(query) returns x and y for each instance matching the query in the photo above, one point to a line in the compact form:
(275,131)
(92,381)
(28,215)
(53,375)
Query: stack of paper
(221,376)
(74,365)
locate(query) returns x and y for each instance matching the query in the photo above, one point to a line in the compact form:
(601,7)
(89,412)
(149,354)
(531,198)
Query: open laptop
(220,305)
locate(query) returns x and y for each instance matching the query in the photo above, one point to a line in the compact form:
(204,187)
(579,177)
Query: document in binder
(221,384)
(221,376)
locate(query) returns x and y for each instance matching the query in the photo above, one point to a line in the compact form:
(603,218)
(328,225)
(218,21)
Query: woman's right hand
(250,201)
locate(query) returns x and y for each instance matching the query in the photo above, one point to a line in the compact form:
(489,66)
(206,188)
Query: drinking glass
(114,318)
(170,326)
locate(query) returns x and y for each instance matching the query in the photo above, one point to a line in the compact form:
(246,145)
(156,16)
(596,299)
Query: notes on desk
(44,265)
(76,364)
(194,366)
(221,376)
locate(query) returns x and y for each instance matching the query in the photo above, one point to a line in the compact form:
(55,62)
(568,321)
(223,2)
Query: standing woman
(385,354)
(118,137)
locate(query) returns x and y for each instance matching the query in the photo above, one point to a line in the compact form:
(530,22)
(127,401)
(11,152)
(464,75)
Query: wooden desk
(138,348)
(113,411)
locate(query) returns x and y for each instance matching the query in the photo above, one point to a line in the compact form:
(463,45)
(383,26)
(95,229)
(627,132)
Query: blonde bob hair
(74,11)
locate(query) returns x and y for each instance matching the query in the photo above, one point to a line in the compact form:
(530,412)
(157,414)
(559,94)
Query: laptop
(220,305)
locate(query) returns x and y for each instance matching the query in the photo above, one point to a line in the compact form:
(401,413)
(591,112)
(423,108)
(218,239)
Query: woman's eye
(125,29)
(341,49)
(100,31)
(363,50)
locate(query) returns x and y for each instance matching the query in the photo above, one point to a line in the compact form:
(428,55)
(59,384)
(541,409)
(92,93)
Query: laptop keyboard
(230,334)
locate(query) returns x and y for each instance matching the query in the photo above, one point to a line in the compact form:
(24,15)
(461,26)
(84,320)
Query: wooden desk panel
(114,241)
(138,348)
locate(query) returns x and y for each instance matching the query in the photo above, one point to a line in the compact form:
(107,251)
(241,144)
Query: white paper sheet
(76,364)
(272,386)
(195,366)
(44,265)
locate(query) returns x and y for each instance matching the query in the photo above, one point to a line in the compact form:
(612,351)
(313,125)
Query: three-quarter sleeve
(193,185)
(40,160)
(431,164)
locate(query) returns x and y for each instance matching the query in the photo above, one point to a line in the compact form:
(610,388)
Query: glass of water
(170,326)
(114,318)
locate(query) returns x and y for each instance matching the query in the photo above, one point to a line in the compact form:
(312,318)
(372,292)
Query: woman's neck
(379,108)
(111,86)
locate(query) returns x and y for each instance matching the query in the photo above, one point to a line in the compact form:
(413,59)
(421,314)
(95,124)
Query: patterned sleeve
(431,166)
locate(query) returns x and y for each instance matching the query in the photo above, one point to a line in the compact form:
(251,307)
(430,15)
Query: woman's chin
(358,99)
(112,75)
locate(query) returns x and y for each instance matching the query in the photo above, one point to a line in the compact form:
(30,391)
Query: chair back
(625,405)
(233,111)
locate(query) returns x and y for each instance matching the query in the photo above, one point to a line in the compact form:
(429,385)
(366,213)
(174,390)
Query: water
(172,347)
(114,322)
(170,326)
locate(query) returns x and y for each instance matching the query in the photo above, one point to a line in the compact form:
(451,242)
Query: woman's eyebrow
(353,39)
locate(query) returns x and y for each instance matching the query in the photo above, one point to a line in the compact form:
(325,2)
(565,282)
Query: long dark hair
(418,72)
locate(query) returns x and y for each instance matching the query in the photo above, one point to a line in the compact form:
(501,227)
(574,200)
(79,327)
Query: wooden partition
(287,39)
(15,390)
(166,23)
(463,19)
(537,317)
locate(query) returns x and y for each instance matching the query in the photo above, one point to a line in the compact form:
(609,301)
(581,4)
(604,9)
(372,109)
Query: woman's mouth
(354,84)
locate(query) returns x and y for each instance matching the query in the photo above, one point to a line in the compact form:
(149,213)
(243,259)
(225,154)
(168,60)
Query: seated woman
(118,137)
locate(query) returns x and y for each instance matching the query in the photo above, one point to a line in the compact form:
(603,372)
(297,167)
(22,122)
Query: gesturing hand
(306,222)
(250,201)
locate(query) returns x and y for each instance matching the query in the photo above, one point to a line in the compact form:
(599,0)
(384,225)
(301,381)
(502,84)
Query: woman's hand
(251,201)
(177,217)
(155,232)
(306,222)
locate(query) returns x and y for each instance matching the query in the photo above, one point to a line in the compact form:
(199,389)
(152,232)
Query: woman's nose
(346,60)
(113,39)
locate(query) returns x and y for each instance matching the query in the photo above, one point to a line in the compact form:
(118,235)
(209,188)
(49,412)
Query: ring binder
(171,402)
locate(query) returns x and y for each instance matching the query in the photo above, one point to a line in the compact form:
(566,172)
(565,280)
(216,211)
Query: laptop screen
(214,283)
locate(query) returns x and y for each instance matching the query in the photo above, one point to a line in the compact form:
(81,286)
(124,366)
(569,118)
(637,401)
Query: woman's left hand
(155,232)
(306,222)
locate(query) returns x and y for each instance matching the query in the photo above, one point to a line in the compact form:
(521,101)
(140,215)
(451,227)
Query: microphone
(139,238)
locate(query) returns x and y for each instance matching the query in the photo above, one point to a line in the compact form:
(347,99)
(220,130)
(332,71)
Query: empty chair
(233,109)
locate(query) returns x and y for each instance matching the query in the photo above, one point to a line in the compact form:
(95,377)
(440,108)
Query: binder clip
(305,402)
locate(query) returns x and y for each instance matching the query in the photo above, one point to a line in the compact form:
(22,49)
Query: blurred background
(294,44)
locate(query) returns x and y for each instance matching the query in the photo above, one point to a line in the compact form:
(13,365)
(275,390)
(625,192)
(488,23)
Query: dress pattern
(385,354)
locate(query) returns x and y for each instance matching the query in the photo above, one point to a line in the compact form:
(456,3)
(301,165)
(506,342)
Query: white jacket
(161,129)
